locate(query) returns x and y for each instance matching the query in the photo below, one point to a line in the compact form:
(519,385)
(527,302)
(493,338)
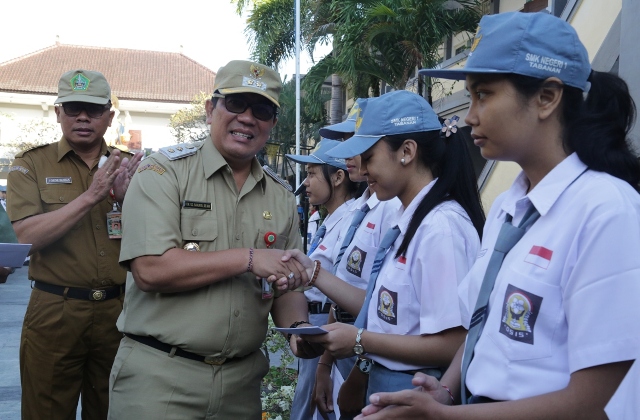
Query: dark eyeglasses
(73,109)
(237,104)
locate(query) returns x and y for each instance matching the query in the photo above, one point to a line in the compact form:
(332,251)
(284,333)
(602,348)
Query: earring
(402,161)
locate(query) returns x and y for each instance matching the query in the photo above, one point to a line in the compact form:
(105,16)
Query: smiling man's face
(238,137)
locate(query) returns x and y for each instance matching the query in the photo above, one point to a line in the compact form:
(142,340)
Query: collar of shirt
(332,220)
(213,161)
(545,194)
(64,148)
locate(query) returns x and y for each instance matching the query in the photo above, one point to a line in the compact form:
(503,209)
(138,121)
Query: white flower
(450,125)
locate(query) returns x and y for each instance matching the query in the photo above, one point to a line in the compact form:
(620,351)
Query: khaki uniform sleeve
(23,194)
(151,212)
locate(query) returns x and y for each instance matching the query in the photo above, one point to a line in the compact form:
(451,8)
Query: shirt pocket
(55,197)
(525,317)
(263,237)
(392,302)
(198,226)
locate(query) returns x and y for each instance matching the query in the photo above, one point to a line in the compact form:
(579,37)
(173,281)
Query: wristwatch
(365,365)
(358,348)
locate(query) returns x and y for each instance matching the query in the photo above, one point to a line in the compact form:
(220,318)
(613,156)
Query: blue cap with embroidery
(393,113)
(319,155)
(538,45)
(348,126)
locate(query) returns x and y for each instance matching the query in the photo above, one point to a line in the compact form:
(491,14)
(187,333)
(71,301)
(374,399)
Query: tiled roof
(133,74)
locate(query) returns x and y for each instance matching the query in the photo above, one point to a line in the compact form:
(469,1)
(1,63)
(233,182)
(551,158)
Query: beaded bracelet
(295,325)
(453,400)
(250,266)
(316,270)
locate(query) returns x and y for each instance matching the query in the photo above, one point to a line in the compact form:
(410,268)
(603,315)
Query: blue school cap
(538,45)
(348,126)
(319,155)
(393,113)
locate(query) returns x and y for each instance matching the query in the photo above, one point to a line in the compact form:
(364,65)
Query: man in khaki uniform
(198,221)
(58,200)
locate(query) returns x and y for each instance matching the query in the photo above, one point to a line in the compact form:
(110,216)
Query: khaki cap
(83,86)
(241,76)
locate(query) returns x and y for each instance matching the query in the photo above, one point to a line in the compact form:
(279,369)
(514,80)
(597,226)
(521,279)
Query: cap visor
(337,131)
(82,98)
(457,74)
(355,146)
(245,89)
(304,159)
(300,190)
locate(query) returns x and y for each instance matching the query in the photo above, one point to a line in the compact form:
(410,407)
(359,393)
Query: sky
(209,31)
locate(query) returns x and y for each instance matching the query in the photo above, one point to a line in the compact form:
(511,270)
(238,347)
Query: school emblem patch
(355,261)
(519,314)
(79,82)
(476,39)
(387,301)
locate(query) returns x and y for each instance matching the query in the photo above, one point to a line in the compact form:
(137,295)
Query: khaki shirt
(45,179)
(194,199)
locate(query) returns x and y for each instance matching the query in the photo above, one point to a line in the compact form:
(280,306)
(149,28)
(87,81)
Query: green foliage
(189,124)
(279,384)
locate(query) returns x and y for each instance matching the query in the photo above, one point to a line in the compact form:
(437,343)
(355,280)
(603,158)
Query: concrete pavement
(14,297)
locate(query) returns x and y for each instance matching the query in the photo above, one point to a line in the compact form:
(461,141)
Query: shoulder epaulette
(180,151)
(19,154)
(267,170)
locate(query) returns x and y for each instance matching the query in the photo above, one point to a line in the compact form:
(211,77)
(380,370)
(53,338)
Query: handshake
(286,270)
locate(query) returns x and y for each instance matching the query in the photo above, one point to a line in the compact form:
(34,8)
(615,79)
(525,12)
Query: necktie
(317,239)
(507,238)
(388,240)
(355,222)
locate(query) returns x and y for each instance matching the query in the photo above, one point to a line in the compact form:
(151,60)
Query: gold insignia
(477,39)
(266,215)
(179,149)
(154,167)
(355,110)
(192,246)
(171,151)
(358,122)
(256,72)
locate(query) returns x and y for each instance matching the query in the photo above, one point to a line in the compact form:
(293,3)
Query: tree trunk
(336,111)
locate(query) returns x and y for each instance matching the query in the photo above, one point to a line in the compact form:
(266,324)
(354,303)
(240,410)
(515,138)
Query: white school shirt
(327,250)
(566,297)
(357,261)
(418,294)
(313,225)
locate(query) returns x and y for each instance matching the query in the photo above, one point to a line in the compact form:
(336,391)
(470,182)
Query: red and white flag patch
(402,259)
(539,256)
(371,225)
(322,247)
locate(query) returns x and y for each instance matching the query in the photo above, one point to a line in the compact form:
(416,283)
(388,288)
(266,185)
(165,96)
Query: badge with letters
(114,223)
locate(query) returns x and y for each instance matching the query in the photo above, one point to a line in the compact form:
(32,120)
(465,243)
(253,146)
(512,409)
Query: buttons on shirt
(236,312)
(102,253)
(98,226)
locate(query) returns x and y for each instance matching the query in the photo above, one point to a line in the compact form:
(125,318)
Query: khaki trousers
(67,349)
(146,383)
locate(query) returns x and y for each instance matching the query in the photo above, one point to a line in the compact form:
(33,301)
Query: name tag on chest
(187,204)
(58,180)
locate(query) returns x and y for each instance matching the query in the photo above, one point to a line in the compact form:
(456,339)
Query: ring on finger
(291,275)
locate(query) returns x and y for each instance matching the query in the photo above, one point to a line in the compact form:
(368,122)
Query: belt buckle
(98,295)
(215,361)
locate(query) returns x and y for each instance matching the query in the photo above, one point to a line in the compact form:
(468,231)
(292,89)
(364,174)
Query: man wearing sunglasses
(206,226)
(58,201)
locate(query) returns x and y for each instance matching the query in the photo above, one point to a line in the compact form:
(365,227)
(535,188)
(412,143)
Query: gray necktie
(388,240)
(355,222)
(317,239)
(507,238)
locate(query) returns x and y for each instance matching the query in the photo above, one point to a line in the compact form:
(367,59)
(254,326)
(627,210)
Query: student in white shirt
(561,325)
(414,319)
(327,184)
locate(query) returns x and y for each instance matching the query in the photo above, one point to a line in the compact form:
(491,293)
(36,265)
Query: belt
(435,372)
(343,316)
(78,293)
(318,308)
(173,350)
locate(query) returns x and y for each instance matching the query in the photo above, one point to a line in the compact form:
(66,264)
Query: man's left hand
(121,183)
(304,349)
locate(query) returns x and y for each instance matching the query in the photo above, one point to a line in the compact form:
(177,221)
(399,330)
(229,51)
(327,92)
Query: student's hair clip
(450,126)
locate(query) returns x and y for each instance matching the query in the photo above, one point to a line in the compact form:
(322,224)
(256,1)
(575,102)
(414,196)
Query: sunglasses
(73,109)
(237,104)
